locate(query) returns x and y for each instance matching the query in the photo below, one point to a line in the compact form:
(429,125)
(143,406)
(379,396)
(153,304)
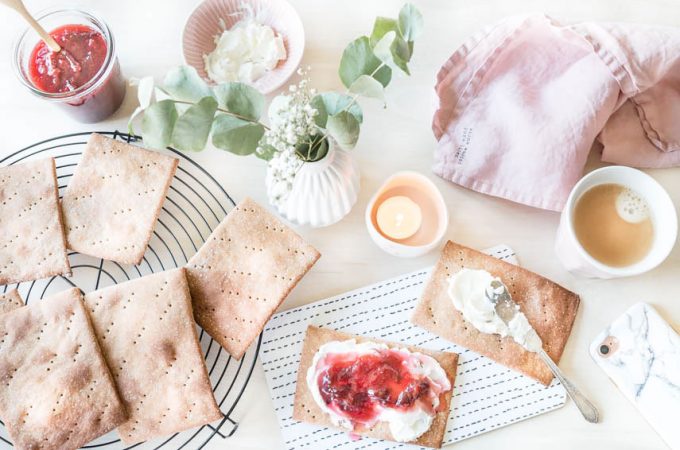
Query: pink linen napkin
(521,103)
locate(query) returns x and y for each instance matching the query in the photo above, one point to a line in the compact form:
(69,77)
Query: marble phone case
(640,353)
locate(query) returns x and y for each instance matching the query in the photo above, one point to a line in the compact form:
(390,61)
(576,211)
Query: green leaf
(358,59)
(330,103)
(368,87)
(158,122)
(185,84)
(383,48)
(393,51)
(241,99)
(236,135)
(315,150)
(144,95)
(381,26)
(266,153)
(401,54)
(193,126)
(344,128)
(411,23)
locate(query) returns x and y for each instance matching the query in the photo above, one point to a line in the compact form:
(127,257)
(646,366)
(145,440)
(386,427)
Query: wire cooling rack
(195,204)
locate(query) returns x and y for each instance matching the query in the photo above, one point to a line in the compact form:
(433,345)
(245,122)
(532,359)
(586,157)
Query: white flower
(292,123)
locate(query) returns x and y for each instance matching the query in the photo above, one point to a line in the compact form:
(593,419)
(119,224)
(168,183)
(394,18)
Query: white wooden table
(148,34)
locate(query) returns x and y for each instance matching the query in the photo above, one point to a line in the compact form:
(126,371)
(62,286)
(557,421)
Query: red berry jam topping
(359,386)
(83,51)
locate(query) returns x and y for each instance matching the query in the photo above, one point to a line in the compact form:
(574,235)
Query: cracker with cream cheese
(306,409)
(549,308)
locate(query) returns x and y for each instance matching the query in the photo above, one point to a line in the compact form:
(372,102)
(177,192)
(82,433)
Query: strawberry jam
(84,77)
(83,51)
(360,386)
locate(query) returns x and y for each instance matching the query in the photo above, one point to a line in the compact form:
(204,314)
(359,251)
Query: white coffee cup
(576,259)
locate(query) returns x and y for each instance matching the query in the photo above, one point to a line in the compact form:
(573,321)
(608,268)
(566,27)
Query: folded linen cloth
(521,103)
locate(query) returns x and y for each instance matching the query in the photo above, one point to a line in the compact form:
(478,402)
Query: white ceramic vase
(323,191)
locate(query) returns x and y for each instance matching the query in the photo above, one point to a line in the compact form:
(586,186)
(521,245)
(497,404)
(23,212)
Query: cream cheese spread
(405,424)
(468,290)
(244,53)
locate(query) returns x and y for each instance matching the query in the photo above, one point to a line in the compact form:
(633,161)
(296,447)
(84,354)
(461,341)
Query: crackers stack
(56,391)
(127,356)
(109,209)
(147,333)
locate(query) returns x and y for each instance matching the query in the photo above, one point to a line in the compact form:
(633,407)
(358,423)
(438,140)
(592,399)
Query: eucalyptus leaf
(193,126)
(383,48)
(330,103)
(241,99)
(411,23)
(344,128)
(401,54)
(368,87)
(145,89)
(183,83)
(358,59)
(157,123)
(266,153)
(381,26)
(236,135)
(161,94)
(393,51)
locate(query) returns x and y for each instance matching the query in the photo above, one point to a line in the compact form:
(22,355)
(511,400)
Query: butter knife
(506,308)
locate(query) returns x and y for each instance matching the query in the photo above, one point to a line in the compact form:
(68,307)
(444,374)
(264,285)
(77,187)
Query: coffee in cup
(617,222)
(613,224)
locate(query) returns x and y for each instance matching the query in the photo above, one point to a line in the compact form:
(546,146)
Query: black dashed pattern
(486,395)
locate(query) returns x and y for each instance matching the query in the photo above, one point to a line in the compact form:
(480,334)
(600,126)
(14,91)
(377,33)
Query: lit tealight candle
(399,217)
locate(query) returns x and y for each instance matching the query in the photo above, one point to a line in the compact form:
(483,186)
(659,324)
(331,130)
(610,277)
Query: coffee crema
(613,224)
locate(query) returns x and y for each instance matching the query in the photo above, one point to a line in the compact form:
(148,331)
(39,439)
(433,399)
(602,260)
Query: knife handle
(589,411)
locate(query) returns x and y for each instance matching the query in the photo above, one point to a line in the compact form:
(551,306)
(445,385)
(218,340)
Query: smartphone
(640,352)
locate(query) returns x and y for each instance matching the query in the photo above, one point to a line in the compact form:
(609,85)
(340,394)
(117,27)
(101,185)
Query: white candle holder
(435,217)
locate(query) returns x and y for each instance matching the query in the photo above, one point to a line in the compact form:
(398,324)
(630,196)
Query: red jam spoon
(18,6)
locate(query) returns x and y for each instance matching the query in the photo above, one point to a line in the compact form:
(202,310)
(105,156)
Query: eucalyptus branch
(188,111)
(229,113)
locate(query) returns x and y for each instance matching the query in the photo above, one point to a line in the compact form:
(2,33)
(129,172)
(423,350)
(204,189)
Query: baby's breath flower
(292,126)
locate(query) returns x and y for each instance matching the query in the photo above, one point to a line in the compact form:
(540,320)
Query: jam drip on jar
(359,386)
(83,51)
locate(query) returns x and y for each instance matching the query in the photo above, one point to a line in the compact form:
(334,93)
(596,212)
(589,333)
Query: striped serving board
(486,395)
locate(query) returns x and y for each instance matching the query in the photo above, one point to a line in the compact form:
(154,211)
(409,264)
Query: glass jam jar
(87,100)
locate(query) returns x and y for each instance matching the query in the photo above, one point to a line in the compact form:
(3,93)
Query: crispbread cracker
(243,272)
(114,198)
(550,309)
(148,336)
(9,301)
(306,410)
(32,242)
(56,391)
